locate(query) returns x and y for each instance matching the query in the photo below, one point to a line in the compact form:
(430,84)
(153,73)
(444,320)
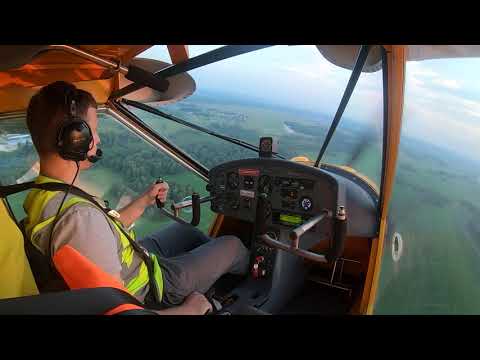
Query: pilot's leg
(174,240)
(197,270)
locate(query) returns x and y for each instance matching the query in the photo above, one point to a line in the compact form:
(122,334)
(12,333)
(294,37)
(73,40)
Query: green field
(435,209)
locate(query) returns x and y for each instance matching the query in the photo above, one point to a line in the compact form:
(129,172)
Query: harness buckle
(114,214)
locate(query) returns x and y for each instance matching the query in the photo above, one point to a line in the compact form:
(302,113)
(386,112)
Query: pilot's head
(48,110)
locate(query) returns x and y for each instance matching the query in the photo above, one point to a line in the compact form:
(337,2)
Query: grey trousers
(192,261)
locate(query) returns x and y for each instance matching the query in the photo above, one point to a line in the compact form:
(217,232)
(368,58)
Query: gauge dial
(233,180)
(265,184)
(306,203)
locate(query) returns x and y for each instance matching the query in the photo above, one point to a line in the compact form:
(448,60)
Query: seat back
(96,292)
(16,278)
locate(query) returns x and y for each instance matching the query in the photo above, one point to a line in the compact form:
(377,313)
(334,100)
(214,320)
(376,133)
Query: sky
(442,104)
(441,96)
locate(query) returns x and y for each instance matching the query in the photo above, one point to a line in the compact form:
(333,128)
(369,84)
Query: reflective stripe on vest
(38,200)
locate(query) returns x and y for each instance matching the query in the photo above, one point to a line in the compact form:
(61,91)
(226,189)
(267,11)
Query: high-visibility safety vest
(41,207)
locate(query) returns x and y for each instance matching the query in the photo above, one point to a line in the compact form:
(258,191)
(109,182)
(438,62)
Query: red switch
(255,271)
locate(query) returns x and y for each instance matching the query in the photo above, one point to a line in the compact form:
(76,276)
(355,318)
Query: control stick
(195,203)
(302,229)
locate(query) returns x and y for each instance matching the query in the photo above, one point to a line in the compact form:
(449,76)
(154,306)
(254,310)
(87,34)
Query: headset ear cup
(74,139)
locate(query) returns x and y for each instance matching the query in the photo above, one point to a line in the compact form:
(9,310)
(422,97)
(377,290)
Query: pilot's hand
(197,304)
(160,190)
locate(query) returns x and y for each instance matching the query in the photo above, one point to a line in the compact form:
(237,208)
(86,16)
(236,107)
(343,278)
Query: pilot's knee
(231,240)
(234,244)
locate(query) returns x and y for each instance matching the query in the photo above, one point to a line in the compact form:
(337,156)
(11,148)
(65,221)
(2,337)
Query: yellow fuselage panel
(16,277)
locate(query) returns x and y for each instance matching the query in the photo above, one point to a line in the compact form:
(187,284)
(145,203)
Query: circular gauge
(232,180)
(264,184)
(306,203)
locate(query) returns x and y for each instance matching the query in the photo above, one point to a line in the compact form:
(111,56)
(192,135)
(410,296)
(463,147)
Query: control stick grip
(195,209)
(157,200)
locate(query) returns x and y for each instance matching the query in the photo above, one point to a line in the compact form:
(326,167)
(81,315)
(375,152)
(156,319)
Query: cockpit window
(288,92)
(432,249)
(129,165)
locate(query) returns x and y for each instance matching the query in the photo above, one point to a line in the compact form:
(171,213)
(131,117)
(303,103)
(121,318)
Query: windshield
(288,92)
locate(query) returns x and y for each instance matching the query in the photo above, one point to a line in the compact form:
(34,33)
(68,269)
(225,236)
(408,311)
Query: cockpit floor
(319,300)
(226,284)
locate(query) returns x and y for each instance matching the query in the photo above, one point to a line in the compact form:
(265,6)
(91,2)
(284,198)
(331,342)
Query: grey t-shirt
(86,229)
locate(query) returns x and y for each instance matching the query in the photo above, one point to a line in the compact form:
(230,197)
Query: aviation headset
(75,138)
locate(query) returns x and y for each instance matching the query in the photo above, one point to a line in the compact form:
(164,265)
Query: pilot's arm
(130,213)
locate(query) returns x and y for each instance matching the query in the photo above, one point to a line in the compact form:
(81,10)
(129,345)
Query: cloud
(421,76)
(417,69)
(304,72)
(450,84)
(315,70)
(437,116)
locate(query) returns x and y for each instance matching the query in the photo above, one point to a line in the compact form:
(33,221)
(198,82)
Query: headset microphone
(94,158)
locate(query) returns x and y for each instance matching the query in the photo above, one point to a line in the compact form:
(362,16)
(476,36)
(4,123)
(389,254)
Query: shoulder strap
(7,190)
(50,186)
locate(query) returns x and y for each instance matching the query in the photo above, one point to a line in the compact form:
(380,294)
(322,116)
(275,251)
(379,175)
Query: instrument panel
(295,193)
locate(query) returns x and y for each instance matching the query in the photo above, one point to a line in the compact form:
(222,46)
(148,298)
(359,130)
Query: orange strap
(122,308)
(79,272)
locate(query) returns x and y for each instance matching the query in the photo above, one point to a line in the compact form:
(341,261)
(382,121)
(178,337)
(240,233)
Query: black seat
(95,301)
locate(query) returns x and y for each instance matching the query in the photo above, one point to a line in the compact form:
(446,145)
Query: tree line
(140,164)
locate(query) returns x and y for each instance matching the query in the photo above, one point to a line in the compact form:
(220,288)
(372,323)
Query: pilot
(185,262)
